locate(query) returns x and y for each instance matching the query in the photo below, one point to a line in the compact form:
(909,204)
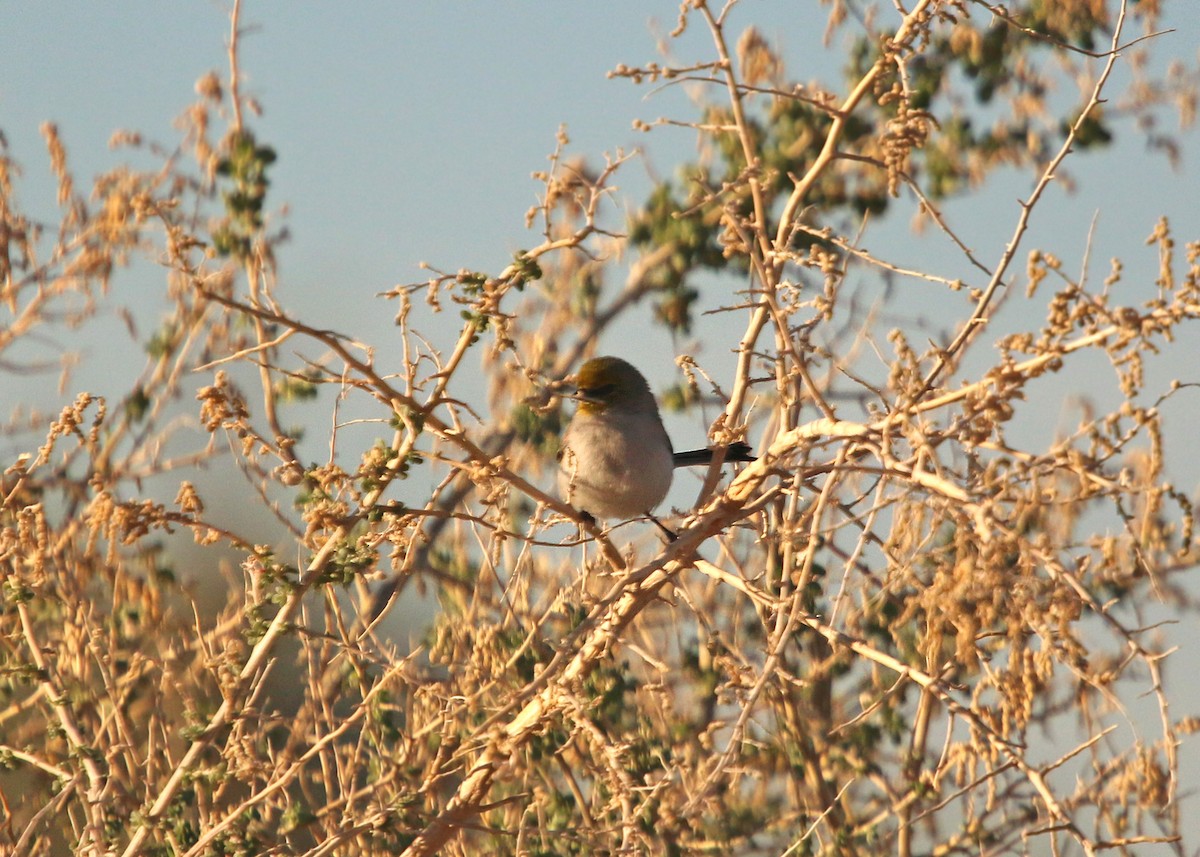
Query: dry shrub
(899,629)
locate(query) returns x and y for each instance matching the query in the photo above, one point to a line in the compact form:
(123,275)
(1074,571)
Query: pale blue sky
(408,131)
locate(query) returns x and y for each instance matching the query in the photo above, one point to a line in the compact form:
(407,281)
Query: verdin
(616,459)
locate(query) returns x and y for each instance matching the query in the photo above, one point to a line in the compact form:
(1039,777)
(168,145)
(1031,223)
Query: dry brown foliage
(899,629)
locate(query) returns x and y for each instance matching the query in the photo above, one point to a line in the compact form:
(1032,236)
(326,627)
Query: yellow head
(610,382)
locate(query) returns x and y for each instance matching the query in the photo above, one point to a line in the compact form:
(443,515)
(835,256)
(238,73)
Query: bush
(919,622)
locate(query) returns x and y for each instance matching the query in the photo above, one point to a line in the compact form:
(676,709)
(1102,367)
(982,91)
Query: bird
(616,461)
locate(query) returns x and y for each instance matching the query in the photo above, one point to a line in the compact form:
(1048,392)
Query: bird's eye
(598,392)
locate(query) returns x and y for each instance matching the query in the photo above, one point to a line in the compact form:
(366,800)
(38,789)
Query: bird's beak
(577,395)
(580,396)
